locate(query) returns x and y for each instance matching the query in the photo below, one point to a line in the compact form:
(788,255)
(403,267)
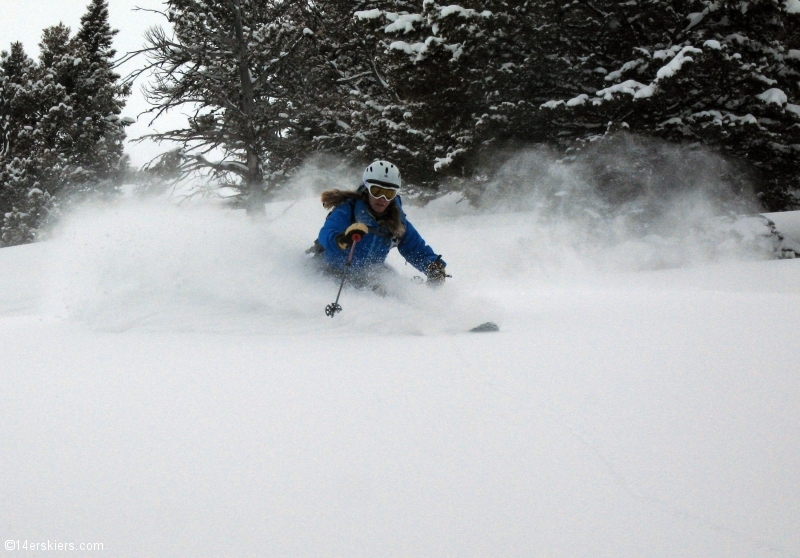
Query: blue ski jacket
(373,248)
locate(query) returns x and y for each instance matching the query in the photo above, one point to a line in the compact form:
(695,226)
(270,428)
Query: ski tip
(485,327)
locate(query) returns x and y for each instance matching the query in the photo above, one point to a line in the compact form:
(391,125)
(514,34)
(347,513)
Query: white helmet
(382,173)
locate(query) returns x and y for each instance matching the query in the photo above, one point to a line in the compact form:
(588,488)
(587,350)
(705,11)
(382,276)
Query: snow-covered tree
(457,81)
(237,66)
(451,82)
(98,99)
(724,74)
(18,164)
(430,65)
(440,87)
(63,132)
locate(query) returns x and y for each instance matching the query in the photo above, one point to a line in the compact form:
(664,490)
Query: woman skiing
(373,218)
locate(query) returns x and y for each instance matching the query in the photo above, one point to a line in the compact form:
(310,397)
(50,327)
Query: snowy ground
(171,387)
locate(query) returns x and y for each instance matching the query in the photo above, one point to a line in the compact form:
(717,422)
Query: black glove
(354,232)
(436,272)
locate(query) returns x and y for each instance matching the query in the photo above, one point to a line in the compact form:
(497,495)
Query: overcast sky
(24,20)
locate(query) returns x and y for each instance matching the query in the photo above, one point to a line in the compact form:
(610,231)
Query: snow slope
(171,387)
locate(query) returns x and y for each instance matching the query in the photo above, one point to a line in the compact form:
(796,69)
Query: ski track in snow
(173,387)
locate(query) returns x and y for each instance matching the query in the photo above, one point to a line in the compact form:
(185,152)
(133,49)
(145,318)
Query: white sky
(24,20)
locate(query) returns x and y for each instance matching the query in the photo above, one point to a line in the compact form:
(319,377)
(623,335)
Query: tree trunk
(254,181)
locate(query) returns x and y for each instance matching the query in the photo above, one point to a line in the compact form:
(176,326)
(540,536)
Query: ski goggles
(381,191)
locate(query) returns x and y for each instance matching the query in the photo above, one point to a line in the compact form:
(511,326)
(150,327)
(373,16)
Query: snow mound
(773,96)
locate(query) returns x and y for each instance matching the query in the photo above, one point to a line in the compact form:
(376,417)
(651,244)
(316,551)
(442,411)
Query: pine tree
(439,88)
(18,166)
(460,80)
(425,121)
(97,102)
(238,65)
(442,84)
(721,74)
(406,94)
(63,132)
(55,123)
(346,93)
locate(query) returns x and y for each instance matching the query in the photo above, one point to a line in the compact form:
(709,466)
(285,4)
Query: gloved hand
(354,232)
(436,272)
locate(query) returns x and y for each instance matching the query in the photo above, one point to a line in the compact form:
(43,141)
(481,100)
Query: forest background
(244,92)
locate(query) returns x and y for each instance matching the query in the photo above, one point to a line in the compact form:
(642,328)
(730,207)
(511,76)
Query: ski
(485,328)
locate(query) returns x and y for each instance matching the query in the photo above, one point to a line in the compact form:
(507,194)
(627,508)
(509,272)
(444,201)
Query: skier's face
(378,205)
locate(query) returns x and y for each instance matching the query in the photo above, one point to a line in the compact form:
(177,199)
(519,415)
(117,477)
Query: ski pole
(331,309)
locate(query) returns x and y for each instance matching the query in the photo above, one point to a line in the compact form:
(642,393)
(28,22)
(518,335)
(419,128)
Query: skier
(374,213)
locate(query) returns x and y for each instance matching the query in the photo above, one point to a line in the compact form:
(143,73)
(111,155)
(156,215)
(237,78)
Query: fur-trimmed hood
(335,198)
(392,218)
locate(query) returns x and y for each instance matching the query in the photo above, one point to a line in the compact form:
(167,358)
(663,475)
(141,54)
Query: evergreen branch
(351,78)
